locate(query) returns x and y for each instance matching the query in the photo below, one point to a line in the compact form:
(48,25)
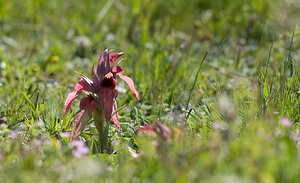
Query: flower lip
(108,82)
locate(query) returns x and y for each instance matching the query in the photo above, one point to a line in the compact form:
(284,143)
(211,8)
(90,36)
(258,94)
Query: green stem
(104,138)
(102,128)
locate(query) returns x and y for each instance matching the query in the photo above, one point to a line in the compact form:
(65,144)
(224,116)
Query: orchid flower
(101,92)
(160,130)
(164,135)
(157,129)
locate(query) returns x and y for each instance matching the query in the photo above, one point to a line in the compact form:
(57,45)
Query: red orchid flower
(157,129)
(160,130)
(101,94)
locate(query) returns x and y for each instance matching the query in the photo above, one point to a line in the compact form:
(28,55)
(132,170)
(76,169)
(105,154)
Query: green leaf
(42,106)
(266,91)
(29,101)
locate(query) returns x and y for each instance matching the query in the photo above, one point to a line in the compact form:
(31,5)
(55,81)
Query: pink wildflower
(65,134)
(277,133)
(80,149)
(295,136)
(101,93)
(216,126)
(43,137)
(38,144)
(116,142)
(286,122)
(13,134)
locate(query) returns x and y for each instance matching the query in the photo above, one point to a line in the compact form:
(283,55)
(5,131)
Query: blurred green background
(248,83)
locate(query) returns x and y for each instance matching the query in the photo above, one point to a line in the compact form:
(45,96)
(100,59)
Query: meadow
(218,86)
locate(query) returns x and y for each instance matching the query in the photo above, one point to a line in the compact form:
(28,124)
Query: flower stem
(102,128)
(104,138)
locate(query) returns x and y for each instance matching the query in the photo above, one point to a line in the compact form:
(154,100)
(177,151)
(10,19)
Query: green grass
(231,129)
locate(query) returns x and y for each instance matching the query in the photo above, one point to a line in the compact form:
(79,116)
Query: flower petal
(81,85)
(104,64)
(70,100)
(130,83)
(117,70)
(148,129)
(114,56)
(80,122)
(96,82)
(163,131)
(72,96)
(107,95)
(115,117)
(87,81)
(88,104)
(120,61)
(158,129)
